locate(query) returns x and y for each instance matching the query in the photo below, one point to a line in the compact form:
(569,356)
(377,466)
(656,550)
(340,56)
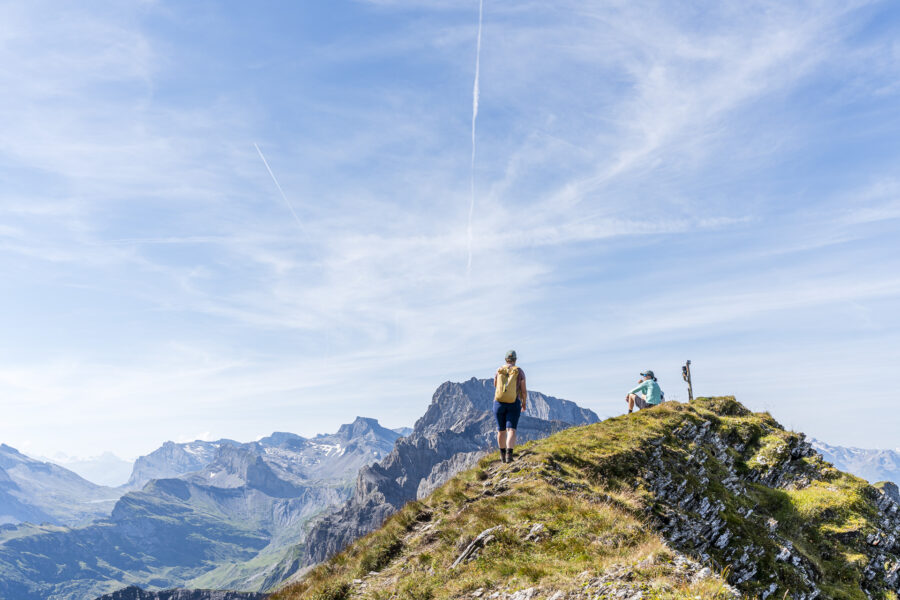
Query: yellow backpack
(507,385)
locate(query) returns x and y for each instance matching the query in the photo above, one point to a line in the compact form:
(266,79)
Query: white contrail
(278,185)
(475,93)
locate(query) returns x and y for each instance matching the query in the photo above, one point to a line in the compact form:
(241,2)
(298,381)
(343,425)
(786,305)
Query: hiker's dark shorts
(507,414)
(641,402)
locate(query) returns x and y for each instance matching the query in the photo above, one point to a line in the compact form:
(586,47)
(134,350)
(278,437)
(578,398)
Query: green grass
(588,487)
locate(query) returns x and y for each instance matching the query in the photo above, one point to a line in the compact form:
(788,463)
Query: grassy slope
(589,487)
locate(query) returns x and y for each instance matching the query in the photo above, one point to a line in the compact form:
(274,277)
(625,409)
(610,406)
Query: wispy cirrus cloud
(643,173)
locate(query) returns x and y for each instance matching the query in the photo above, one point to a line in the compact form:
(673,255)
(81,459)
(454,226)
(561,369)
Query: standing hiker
(510,399)
(646,394)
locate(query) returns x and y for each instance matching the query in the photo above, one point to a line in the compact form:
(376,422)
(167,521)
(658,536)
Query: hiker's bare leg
(501,439)
(510,438)
(630,399)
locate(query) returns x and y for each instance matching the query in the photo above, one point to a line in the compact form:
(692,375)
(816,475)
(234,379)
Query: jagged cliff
(705,500)
(456,429)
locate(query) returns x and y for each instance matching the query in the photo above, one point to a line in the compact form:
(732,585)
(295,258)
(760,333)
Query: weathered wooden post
(686,374)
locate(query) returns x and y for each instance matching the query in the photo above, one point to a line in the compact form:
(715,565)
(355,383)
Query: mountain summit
(362,427)
(457,428)
(701,500)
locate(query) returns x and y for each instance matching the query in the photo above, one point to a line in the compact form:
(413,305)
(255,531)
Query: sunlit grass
(583,485)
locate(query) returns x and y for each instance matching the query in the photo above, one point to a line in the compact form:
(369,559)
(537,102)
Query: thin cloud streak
(280,191)
(475,97)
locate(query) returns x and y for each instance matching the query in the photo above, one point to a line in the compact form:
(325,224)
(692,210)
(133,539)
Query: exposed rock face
(43,492)
(891,490)
(716,527)
(446,469)
(136,593)
(457,426)
(454,405)
(871,465)
(172,460)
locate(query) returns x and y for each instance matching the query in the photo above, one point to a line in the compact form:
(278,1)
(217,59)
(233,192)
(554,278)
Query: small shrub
(378,556)
(333,591)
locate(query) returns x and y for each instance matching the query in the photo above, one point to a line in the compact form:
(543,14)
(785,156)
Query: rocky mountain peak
(455,430)
(454,404)
(174,459)
(283,439)
(362,426)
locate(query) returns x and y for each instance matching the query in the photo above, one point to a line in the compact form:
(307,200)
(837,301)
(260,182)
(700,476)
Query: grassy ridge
(595,491)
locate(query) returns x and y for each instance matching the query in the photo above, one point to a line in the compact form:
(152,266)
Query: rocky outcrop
(136,593)
(444,470)
(697,507)
(890,489)
(456,427)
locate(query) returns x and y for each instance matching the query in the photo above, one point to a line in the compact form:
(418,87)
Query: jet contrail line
(278,185)
(475,94)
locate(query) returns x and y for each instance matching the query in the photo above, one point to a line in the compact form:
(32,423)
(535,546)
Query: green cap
(511,355)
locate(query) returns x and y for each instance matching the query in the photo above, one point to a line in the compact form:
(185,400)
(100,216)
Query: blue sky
(654,181)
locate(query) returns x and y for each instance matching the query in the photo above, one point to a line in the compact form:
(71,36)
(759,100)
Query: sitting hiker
(510,398)
(646,394)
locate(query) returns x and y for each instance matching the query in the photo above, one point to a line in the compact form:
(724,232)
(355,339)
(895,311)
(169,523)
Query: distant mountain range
(210,513)
(872,465)
(230,515)
(42,492)
(107,469)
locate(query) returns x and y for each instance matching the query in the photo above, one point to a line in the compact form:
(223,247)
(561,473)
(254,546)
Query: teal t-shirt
(651,391)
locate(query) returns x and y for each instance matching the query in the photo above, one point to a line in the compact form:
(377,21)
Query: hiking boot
(503,455)
(509,455)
